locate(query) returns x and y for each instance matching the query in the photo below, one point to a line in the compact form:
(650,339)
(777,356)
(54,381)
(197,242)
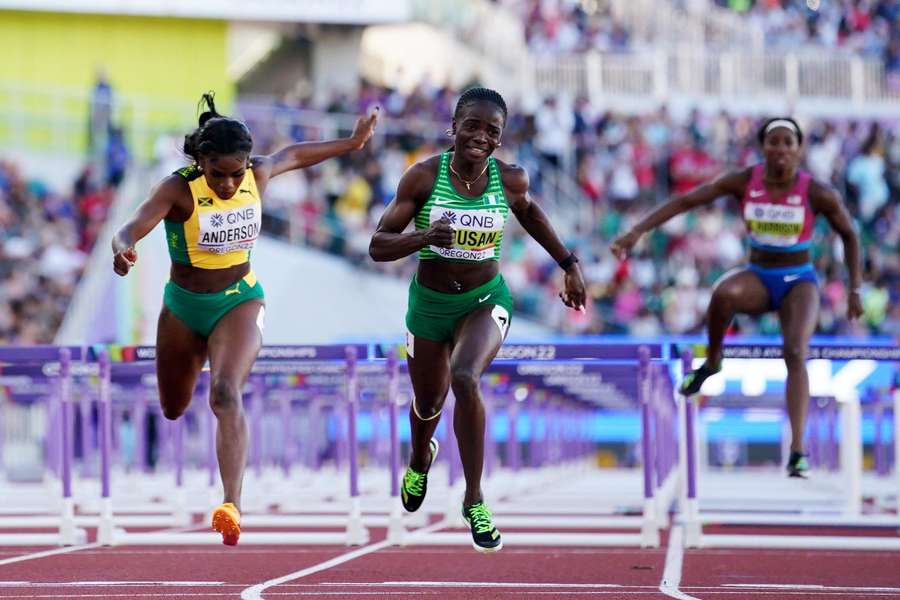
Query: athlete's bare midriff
(454,278)
(206,281)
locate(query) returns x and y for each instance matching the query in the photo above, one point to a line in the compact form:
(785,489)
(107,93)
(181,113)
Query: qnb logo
(449,215)
(217,220)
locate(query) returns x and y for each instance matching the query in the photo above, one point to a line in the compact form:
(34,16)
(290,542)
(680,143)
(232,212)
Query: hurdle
(31,362)
(844,511)
(624,372)
(564,378)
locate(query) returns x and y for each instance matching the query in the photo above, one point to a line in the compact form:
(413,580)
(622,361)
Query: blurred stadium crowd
(867,27)
(623,164)
(44,244)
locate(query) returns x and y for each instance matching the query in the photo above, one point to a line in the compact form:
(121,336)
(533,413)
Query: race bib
(774,224)
(477,232)
(224,231)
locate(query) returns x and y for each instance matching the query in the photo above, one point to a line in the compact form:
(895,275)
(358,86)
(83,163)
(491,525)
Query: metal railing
(660,22)
(724,75)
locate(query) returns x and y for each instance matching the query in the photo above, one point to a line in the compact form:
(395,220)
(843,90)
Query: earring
(449,132)
(499,144)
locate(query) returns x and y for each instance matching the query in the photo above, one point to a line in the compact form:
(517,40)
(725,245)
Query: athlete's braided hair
(216,134)
(479,94)
(761,134)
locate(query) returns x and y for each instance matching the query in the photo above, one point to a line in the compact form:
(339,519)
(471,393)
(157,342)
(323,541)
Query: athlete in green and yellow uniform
(213,307)
(459,306)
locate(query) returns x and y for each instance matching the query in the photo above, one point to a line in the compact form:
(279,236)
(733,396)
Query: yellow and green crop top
(219,233)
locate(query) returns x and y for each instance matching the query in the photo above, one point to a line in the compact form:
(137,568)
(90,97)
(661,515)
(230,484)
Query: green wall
(158,68)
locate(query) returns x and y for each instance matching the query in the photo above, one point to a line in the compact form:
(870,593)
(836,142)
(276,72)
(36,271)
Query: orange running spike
(226,519)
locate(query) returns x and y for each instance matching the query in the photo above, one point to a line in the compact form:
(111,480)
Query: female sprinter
(459,306)
(213,306)
(779,203)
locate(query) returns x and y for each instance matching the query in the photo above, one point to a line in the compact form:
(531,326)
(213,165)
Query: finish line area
(123,491)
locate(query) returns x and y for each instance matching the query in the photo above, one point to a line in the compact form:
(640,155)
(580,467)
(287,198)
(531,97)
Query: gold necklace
(468,183)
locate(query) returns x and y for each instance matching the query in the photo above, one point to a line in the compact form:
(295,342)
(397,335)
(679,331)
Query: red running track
(451,573)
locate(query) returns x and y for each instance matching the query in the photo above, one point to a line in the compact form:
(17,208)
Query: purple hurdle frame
(357,534)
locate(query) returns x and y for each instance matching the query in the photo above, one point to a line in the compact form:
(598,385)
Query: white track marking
(452,584)
(672,572)
(108,583)
(255,592)
(824,588)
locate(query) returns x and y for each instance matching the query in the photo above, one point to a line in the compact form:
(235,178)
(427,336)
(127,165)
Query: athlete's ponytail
(216,134)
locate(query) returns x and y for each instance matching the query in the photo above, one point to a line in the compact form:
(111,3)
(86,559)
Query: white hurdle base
(44,521)
(356,533)
(800,519)
(42,539)
(804,542)
(396,533)
(336,538)
(531,539)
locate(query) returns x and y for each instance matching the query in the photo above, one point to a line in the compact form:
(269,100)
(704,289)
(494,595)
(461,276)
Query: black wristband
(568,261)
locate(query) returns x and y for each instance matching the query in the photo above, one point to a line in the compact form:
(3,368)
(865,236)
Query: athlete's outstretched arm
(826,201)
(389,242)
(535,222)
(728,184)
(307,154)
(145,218)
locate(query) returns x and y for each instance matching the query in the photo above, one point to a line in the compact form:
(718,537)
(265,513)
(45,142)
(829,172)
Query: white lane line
(45,553)
(481,584)
(828,588)
(109,583)
(339,594)
(255,592)
(672,572)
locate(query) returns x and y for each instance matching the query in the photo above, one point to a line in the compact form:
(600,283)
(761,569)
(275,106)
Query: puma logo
(235,290)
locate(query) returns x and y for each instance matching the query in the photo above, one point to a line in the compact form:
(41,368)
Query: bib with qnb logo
(477,222)
(219,233)
(783,223)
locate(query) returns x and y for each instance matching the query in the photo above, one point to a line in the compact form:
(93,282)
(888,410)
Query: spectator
(866,173)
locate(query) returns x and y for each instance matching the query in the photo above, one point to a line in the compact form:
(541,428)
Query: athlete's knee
(465,382)
(794,354)
(427,409)
(224,395)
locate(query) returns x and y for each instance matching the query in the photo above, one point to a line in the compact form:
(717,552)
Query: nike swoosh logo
(485,298)
(789,278)
(442,201)
(757,193)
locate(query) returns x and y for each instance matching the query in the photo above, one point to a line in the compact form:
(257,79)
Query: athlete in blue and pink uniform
(779,203)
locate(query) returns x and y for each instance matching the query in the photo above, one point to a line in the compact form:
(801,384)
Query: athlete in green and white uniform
(459,306)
